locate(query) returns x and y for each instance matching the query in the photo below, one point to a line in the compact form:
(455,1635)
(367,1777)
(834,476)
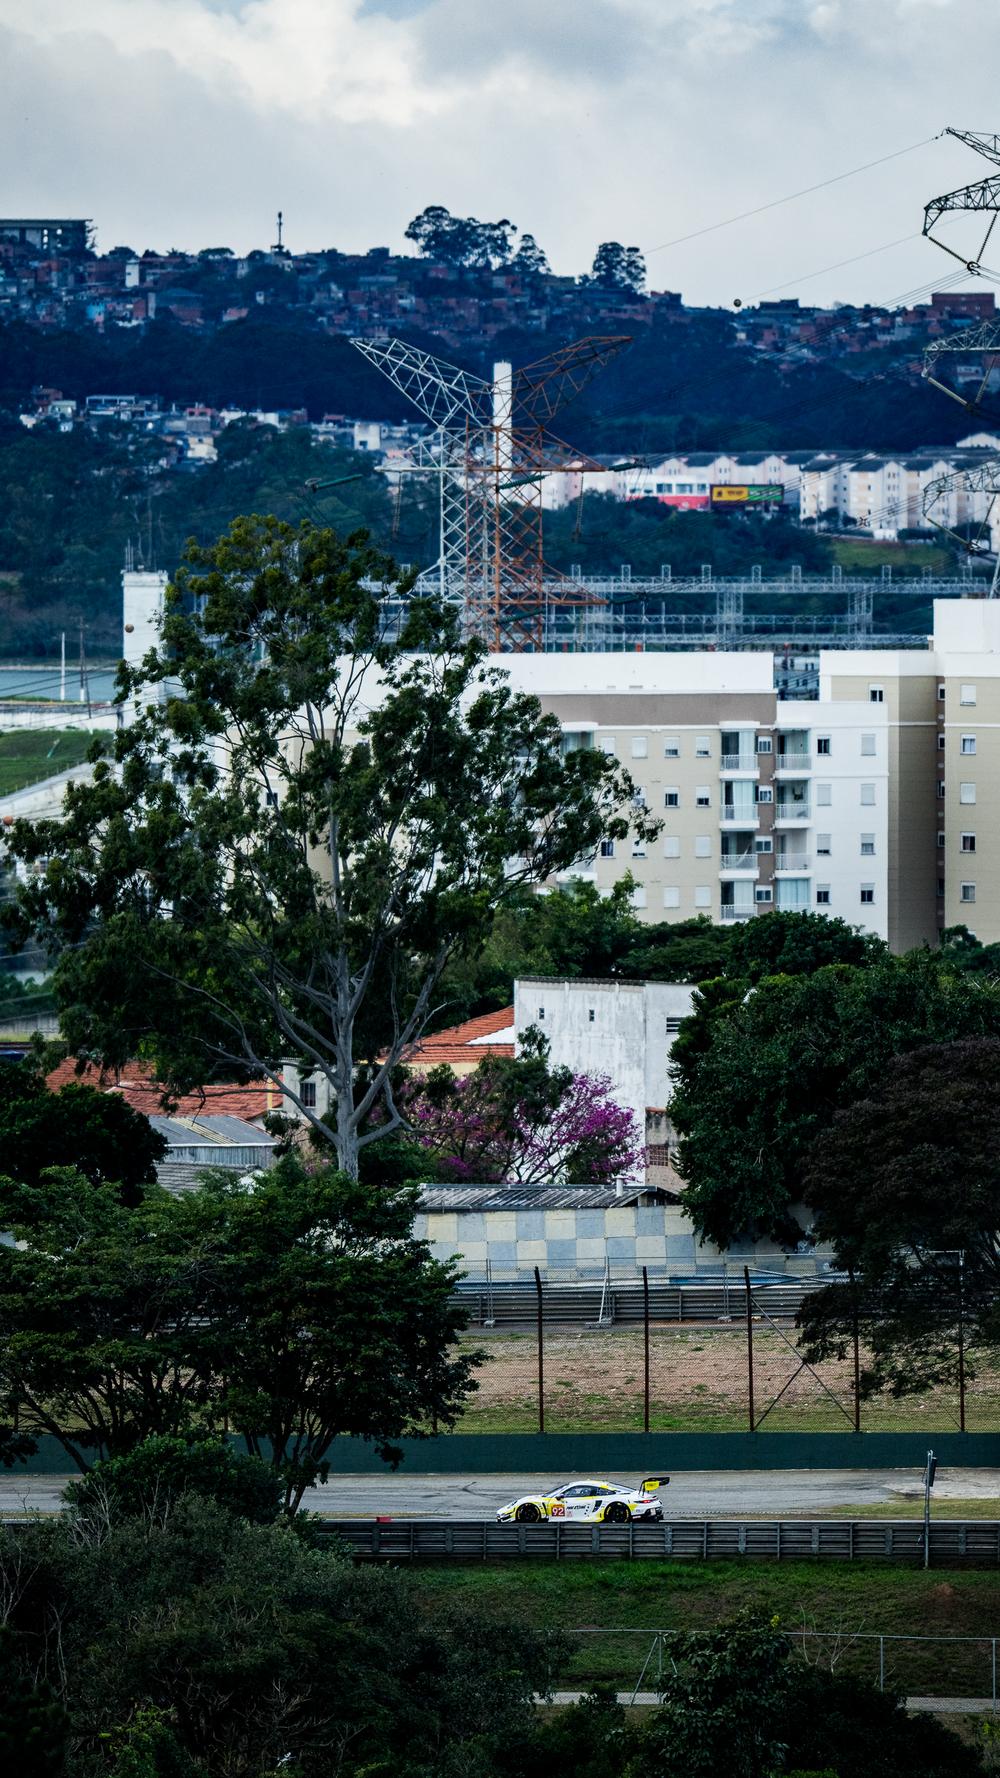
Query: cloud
(190,121)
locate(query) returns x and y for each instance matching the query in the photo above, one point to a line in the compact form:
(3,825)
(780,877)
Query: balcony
(739,861)
(791,765)
(738,762)
(792,861)
(730,816)
(733,912)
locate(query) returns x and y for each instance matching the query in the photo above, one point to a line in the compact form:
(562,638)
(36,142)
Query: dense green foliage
(766,1061)
(292,1309)
(735,1700)
(906,1183)
(148,1480)
(193,1643)
(342,816)
(576,931)
(96,1133)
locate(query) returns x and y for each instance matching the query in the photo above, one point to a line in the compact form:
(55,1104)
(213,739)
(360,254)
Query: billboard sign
(747,494)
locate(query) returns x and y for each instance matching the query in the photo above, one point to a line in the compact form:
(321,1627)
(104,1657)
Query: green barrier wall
(599,1453)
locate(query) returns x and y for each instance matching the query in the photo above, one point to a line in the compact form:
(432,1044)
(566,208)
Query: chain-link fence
(744,1369)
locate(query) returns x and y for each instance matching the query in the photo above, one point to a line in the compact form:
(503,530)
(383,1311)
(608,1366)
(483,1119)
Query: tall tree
(461,240)
(293,1309)
(762,1067)
(619,268)
(906,1184)
(530,258)
(309,817)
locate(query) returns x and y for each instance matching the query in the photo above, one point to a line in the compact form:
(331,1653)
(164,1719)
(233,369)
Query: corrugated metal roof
(226,1132)
(538,1197)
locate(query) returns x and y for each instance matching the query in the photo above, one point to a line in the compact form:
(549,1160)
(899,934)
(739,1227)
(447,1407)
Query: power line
(840,263)
(790,196)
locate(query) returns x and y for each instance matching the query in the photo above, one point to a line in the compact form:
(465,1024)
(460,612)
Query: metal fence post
(541,1355)
(961,1343)
(857,1363)
(645,1349)
(881,1663)
(746,1280)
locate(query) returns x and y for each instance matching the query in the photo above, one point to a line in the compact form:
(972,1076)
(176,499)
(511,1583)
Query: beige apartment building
(878,801)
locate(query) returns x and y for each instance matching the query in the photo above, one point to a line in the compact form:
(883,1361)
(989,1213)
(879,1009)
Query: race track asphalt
(718,1494)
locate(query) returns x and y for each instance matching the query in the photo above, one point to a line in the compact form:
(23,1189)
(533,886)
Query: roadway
(716,1494)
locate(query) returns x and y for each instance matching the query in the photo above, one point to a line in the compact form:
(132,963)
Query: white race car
(602,1502)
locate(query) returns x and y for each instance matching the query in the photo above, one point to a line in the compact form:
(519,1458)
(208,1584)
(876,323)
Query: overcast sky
(190,122)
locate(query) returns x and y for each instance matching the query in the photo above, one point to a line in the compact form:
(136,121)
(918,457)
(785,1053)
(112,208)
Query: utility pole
(84,681)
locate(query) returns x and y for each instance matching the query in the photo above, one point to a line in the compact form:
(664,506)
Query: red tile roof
(466,1042)
(139,1087)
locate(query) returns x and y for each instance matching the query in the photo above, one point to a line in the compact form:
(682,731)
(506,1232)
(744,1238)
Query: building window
(967,694)
(640,747)
(764,844)
(671,798)
(867,893)
(703,898)
(968,743)
(607,848)
(867,795)
(968,891)
(591,1015)
(966,793)
(763,894)
(673,1025)
(823,845)
(638,848)
(867,845)
(702,747)
(940,788)
(867,746)
(764,744)
(942,743)
(307,1094)
(607,743)
(941,693)
(968,842)
(823,895)
(541,1012)
(639,896)
(671,846)
(876,694)
(671,747)
(703,846)
(702,797)
(765,794)
(824,795)
(671,898)
(822,743)
(940,840)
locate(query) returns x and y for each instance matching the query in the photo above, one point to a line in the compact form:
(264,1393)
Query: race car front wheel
(528,1514)
(617,1513)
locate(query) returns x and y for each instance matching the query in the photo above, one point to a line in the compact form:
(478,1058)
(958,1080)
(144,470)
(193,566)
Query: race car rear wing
(652,1482)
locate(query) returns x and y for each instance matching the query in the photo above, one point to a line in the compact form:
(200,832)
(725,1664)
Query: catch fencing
(650,1354)
(953,1543)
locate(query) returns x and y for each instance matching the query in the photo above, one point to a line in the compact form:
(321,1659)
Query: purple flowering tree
(518,1119)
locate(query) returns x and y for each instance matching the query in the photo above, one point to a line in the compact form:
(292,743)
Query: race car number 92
(557,1510)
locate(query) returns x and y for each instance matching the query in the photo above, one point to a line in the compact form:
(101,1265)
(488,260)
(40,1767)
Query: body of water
(42,681)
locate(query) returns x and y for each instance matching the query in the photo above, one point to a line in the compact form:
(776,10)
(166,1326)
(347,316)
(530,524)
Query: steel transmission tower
(967,496)
(491,449)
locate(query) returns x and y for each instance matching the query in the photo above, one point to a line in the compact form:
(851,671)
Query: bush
(146,1482)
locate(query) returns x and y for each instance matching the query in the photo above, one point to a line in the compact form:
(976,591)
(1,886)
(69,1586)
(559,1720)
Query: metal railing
(738,861)
(954,1543)
(738,762)
(729,912)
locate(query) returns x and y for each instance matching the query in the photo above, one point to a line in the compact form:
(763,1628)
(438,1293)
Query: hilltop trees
(619,268)
(461,240)
(295,839)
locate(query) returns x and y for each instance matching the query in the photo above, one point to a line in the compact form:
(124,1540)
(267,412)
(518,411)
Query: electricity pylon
(968,495)
(491,450)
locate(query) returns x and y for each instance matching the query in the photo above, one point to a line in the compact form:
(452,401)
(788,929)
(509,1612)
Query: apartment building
(827,804)
(967,691)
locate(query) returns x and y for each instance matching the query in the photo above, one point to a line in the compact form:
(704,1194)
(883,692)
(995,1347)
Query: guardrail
(954,1543)
(621,1299)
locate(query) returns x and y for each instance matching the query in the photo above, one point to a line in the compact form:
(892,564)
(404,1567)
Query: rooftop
(540,1197)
